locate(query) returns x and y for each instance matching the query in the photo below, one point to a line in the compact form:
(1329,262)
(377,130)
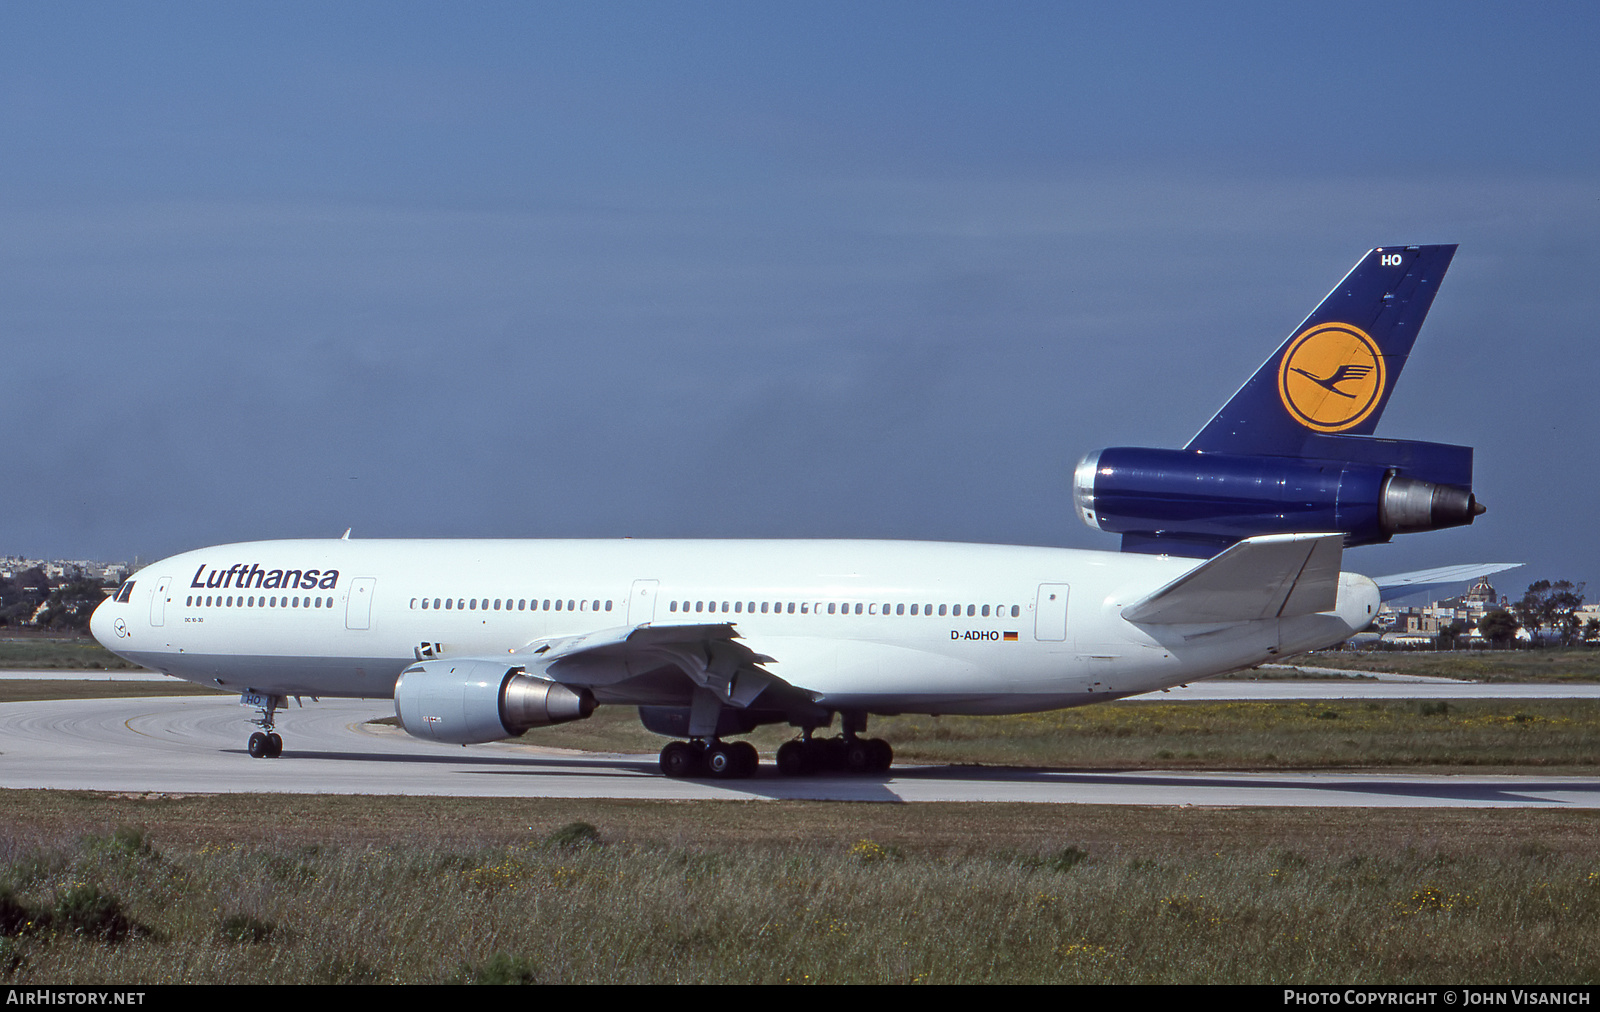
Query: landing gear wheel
(722,761)
(260,746)
(825,754)
(882,755)
(859,755)
(792,760)
(748,759)
(274,745)
(680,759)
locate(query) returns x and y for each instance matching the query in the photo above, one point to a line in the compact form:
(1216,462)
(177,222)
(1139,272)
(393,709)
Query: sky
(880,270)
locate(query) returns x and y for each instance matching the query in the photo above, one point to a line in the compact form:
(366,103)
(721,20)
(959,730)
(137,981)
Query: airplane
(1230,557)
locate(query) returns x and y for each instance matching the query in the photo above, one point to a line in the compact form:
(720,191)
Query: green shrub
(574,836)
(500,969)
(85,910)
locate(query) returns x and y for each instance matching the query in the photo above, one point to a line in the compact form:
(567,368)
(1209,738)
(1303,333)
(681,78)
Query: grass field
(243,889)
(303,889)
(1575,665)
(1553,735)
(45,653)
(22,690)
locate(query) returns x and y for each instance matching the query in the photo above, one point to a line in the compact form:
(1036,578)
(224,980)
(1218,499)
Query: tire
(882,755)
(274,745)
(722,761)
(260,747)
(748,758)
(858,756)
(824,755)
(679,759)
(792,759)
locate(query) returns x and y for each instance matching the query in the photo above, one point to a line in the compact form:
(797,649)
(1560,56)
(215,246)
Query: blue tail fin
(1335,374)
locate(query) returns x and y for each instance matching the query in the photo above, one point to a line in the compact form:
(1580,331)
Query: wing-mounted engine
(472,700)
(1178,502)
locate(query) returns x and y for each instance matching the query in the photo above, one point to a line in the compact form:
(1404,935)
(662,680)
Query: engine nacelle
(471,701)
(1199,503)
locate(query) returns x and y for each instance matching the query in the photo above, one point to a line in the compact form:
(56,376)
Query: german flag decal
(1008,637)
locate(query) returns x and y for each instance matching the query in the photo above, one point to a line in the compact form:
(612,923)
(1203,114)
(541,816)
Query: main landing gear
(715,758)
(826,755)
(735,760)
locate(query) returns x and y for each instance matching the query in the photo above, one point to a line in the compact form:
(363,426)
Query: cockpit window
(124,592)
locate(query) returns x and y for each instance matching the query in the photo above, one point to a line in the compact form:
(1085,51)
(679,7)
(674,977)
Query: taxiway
(194,744)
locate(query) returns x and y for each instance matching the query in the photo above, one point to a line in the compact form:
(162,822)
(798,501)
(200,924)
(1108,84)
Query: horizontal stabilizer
(1406,584)
(1275,576)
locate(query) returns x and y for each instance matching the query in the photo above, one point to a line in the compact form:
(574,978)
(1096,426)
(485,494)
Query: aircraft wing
(1274,576)
(711,655)
(1406,584)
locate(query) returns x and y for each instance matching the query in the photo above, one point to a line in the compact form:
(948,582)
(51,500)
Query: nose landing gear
(265,743)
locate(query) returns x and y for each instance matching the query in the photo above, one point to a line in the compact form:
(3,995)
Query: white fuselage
(871,626)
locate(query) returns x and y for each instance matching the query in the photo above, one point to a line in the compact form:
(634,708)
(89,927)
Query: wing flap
(1275,576)
(711,655)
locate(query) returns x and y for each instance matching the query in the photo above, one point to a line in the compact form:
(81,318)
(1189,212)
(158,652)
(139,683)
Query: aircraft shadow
(767,783)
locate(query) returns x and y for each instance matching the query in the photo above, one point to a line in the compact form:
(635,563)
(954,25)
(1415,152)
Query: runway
(195,745)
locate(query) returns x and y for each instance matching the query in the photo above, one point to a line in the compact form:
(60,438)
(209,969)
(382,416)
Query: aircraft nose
(101,624)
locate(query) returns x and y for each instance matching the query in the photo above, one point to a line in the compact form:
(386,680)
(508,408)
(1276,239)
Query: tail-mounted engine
(1179,502)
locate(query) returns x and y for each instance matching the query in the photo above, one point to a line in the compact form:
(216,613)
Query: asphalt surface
(195,744)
